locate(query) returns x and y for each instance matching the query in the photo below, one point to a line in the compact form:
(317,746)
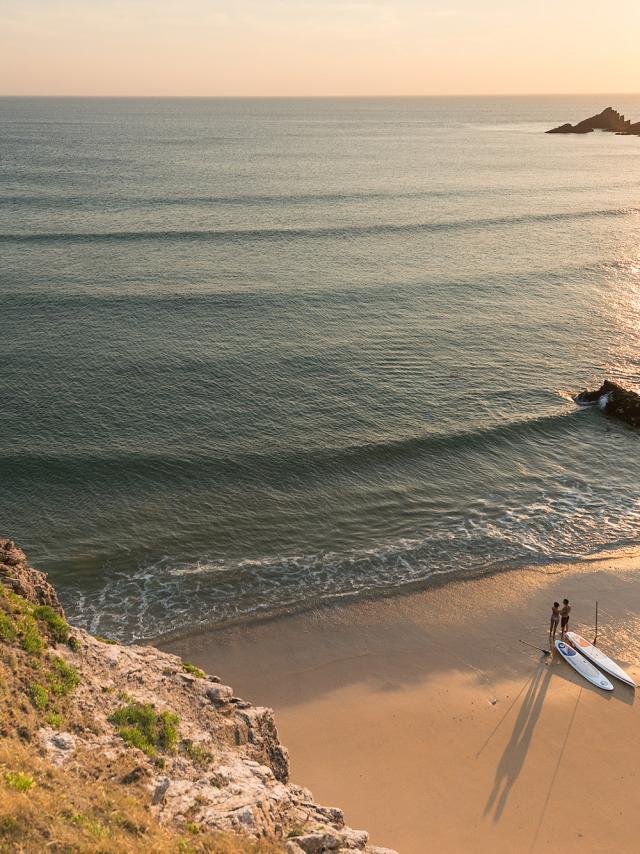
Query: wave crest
(287,234)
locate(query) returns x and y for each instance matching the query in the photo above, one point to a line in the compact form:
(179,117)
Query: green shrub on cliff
(39,696)
(8,631)
(20,619)
(140,725)
(196,753)
(57,626)
(19,781)
(54,720)
(63,678)
(191,668)
(31,640)
(34,684)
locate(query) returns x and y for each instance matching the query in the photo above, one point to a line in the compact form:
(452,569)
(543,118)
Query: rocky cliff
(142,720)
(608,120)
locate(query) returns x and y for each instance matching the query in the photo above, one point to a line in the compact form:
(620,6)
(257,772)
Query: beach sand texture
(387,709)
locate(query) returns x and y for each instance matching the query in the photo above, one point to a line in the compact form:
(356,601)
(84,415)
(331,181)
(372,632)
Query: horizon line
(325,96)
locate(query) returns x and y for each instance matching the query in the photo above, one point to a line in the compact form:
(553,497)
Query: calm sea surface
(261,353)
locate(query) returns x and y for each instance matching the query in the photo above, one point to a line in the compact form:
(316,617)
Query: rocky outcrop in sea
(614,400)
(608,120)
(207,758)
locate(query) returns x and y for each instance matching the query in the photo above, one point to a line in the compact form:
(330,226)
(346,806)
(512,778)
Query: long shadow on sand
(512,759)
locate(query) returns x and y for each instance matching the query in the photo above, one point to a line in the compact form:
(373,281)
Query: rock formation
(26,582)
(614,400)
(218,765)
(608,120)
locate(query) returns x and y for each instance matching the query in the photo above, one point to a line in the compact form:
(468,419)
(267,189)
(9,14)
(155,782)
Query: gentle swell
(301,462)
(233,201)
(285,234)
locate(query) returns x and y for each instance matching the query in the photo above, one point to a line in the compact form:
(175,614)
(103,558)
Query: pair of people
(559,615)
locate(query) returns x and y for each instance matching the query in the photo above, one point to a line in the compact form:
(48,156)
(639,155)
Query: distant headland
(609,119)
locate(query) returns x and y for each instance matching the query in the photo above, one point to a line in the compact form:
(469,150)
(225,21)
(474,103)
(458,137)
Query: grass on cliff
(191,668)
(35,681)
(140,725)
(45,808)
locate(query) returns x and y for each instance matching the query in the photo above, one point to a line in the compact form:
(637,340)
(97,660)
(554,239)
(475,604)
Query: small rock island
(614,400)
(609,120)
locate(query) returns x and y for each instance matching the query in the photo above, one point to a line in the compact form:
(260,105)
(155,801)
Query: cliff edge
(197,761)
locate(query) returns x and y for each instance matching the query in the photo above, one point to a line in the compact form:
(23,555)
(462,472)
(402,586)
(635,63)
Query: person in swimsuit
(564,615)
(555,619)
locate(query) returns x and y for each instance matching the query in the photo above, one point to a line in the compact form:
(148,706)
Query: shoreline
(406,683)
(548,567)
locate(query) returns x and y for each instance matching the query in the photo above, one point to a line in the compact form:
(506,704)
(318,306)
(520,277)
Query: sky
(318,47)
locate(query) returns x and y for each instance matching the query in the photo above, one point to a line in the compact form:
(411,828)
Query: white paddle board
(598,657)
(584,667)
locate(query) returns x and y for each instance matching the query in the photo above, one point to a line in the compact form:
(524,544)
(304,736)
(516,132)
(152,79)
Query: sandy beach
(434,728)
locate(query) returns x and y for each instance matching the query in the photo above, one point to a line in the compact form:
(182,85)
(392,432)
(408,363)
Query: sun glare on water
(623,302)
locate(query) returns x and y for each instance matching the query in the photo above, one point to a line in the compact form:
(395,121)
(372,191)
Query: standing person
(555,619)
(564,617)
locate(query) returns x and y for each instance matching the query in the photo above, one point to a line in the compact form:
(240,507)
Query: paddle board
(584,667)
(598,657)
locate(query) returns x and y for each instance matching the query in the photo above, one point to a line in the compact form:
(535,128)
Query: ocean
(259,354)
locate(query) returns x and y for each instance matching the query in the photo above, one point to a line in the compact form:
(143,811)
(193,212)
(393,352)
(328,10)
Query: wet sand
(431,726)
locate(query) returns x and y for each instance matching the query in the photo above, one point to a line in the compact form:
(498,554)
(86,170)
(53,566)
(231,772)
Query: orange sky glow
(317,47)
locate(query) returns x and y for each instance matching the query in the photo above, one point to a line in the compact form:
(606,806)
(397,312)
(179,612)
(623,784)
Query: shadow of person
(512,759)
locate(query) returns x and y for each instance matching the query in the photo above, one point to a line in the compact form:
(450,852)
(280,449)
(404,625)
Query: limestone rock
(219,693)
(29,583)
(160,790)
(59,745)
(319,842)
(354,838)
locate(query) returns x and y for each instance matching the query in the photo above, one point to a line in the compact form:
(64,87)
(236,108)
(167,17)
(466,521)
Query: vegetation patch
(39,696)
(191,668)
(57,626)
(19,781)
(140,725)
(31,640)
(8,631)
(33,684)
(197,753)
(63,677)
(102,639)
(54,720)
(80,812)
(93,827)
(296,830)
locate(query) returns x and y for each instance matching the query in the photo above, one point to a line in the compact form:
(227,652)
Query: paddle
(539,648)
(596,634)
